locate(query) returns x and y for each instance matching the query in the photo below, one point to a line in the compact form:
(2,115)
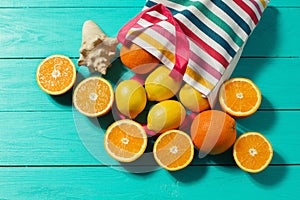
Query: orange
(56,74)
(137,59)
(173,150)
(93,97)
(125,140)
(239,97)
(252,152)
(213,132)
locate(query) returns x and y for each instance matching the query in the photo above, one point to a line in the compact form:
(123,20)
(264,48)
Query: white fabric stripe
(238,10)
(204,37)
(260,6)
(194,49)
(144,23)
(226,18)
(167,26)
(156,14)
(196,85)
(154,51)
(206,57)
(157,36)
(203,72)
(253,7)
(206,21)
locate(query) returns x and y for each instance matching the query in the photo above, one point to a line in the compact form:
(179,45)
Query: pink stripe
(182,43)
(203,45)
(206,66)
(168,35)
(162,31)
(256,6)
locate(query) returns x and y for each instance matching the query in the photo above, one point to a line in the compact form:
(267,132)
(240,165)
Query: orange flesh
(56,74)
(240,96)
(253,152)
(125,140)
(179,145)
(93,96)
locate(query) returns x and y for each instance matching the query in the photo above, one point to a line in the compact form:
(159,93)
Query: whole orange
(137,59)
(213,132)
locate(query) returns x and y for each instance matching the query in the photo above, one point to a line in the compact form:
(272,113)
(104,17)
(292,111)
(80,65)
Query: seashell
(97,49)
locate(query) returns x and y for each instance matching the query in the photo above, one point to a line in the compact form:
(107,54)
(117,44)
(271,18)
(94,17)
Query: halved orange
(252,152)
(93,96)
(125,140)
(239,97)
(173,150)
(56,74)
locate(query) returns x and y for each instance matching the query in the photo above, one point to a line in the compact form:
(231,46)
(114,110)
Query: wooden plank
(72,3)
(19,91)
(59,138)
(276,78)
(41,138)
(111,3)
(278,182)
(58,30)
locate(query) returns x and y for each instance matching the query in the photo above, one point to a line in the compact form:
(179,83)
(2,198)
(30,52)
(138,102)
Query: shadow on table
(262,121)
(66,99)
(262,41)
(191,173)
(273,174)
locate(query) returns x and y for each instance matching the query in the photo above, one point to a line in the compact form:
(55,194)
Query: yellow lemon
(193,99)
(160,86)
(165,115)
(131,98)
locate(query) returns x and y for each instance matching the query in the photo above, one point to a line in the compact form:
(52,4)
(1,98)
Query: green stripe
(214,18)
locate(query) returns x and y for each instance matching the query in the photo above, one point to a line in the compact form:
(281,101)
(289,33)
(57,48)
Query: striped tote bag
(201,41)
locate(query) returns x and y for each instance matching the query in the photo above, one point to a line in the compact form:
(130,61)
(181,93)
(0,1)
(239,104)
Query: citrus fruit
(239,97)
(56,74)
(131,98)
(160,86)
(125,140)
(173,150)
(93,96)
(165,115)
(192,99)
(137,59)
(213,132)
(252,152)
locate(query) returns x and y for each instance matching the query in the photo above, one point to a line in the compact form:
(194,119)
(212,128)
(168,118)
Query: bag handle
(182,43)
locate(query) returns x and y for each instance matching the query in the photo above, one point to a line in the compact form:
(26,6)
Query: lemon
(165,115)
(193,99)
(131,98)
(160,86)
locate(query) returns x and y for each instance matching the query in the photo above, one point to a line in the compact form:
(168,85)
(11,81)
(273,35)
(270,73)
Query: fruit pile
(180,123)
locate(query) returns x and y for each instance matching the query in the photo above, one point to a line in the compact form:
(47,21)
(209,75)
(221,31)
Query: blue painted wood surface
(43,157)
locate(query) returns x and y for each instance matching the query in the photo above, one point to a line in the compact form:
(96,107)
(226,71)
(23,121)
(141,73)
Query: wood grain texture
(19,92)
(52,138)
(42,152)
(104,3)
(43,31)
(277,182)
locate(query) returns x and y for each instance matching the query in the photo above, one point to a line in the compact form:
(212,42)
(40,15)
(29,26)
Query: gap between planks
(127,165)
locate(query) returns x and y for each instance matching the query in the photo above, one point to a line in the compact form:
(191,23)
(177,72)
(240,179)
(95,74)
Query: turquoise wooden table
(43,157)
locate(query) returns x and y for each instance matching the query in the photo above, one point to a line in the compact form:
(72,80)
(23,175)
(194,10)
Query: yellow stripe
(263,3)
(168,54)
(159,46)
(198,78)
